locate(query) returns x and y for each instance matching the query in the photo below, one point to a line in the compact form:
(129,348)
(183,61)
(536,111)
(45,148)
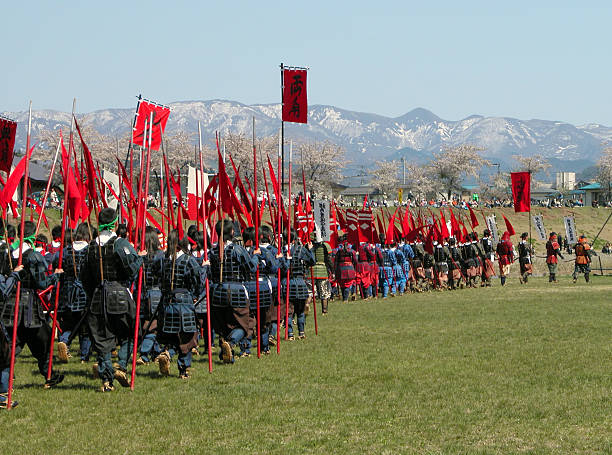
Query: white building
(565,180)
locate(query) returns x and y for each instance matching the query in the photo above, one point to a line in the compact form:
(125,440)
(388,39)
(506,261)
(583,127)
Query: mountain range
(366,137)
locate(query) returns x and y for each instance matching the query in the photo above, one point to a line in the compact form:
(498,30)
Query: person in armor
(6,286)
(399,275)
(470,262)
(33,328)
(344,266)
(441,264)
(230,265)
(299,258)
(321,271)
(418,270)
(428,267)
(268,265)
(505,253)
(525,251)
(365,257)
(150,297)
(487,257)
(197,251)
(270,271)
(454,265)
(72,296)
(552,251)
(375,268)
(582,263)
(406,249)
(388,261)
(110,267)
(181,281)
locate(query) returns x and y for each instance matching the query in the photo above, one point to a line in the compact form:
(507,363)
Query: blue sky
(454,58)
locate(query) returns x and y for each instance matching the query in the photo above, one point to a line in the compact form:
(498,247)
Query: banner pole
(282,131)
(256,223)
(19,262)
(205,235)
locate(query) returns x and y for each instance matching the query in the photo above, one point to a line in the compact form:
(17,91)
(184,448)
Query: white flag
(538,222)
(321,218)
(113,181)
(570,229)
(492,225)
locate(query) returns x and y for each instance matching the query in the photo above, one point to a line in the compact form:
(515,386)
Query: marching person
(525,251)
(488,256)
(33,329)
(182,283)
(72,298)
(582,263)
(151,296)
(505,253)
(344,266)
(110,267)
(230,265)
(298,258)
(553,249)
(321,271)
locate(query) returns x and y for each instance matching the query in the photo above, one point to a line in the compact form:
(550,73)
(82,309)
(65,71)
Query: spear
(312,282)
(143,210)
(288,244)
(205,235)
(60,259)
(19,260)
(256,222)
(278,243)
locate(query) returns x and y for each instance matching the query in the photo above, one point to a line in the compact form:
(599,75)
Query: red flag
(443,226)
(428,245)
(509,227)
(455,226)
(473,219)
(160,118)
(390,235)
(73,198)
(365,201)
(12,182)
(295,101)
(244,197)
(91,169)
(8,130)
(521,191)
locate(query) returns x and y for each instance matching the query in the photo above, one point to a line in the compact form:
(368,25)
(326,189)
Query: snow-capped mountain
(366,137)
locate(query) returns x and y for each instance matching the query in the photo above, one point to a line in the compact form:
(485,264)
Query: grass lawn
(523,369)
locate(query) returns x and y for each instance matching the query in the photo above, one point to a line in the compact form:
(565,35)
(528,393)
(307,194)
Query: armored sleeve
(197,277)
(7,283)
(37,267)
(130,261)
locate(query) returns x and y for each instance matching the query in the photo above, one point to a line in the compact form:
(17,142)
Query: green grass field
(520,369)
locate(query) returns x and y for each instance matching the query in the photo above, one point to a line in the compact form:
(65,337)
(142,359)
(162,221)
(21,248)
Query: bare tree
(533,165)
(450,166)
(322,163)
(418,181)
(385,177)
(496,187)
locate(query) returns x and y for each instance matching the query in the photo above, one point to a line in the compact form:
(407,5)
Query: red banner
(295,101)
(160,118)
(521,191)
(8,130)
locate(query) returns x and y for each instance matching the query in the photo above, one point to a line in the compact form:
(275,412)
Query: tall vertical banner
(295,100)
(538,222)
(322,218)
(113,181)
(8,130)
(570,229)
(160,118)
(492,225)
(521,191)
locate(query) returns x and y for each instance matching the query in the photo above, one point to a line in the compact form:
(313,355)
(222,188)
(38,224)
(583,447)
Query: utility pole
(403,170)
